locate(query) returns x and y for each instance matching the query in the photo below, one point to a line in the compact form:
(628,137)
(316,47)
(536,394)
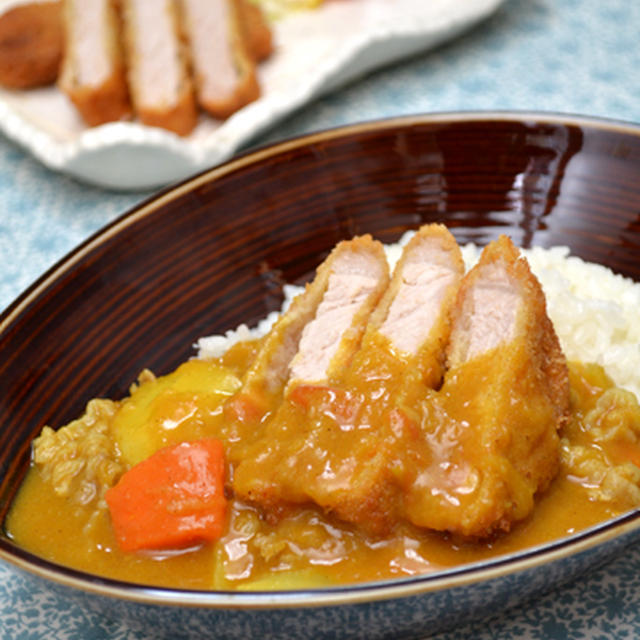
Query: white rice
(595,311)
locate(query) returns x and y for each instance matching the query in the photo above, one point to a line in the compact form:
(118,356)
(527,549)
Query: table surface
(568,56)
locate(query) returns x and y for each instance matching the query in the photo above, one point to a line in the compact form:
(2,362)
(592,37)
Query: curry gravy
(303,547)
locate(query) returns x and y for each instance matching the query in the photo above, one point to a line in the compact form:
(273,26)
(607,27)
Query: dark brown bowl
(215,251)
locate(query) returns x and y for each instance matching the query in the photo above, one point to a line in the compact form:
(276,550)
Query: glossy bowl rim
(251,156)
(458,576)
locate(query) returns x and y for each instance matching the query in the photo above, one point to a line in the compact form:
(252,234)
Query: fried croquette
(31,45)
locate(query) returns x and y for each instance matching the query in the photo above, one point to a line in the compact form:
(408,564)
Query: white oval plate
(316,51)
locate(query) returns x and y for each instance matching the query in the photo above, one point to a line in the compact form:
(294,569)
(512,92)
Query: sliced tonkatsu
(440,407)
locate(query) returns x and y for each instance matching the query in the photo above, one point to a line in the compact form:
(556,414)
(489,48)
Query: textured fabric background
(570,56)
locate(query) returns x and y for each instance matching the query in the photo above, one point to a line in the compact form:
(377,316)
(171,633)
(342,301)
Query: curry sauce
(300,544)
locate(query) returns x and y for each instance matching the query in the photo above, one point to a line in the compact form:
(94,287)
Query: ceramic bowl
(215,251)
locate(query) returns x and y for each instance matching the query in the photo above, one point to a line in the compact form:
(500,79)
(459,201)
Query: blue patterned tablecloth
(570,56)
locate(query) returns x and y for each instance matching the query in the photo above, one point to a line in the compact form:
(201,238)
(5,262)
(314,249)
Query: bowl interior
(215,251)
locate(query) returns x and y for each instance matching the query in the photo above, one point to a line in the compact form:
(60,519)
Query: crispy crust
(31,45)
(180,118)
(256,30)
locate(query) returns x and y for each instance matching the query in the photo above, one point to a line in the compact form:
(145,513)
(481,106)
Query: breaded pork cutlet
(447,414)
(93,71)
(158,66)
(224,69)
(501,300)
(357,280)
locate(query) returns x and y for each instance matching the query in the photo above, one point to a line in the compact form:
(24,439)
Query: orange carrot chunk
(171,500)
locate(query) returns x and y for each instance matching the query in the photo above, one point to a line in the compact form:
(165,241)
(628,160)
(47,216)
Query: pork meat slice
(315,329)
(358,278)
(93,73)
(411,324)
(224,71)
(285,460)
(504,397)
(424,281)
(158,65)
(502,301)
